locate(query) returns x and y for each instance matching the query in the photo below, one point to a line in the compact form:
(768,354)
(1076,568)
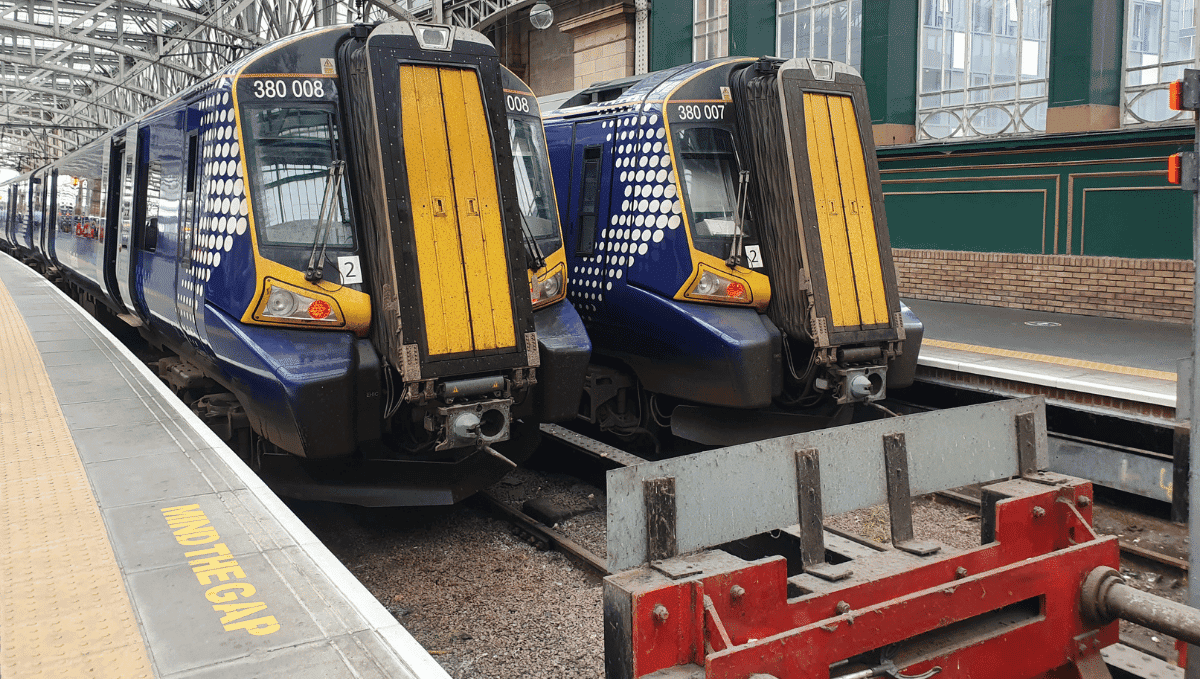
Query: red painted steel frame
(1043,550)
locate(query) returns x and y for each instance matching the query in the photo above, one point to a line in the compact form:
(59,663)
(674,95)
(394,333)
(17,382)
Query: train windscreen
(710,170)
(535,193)
(289,152)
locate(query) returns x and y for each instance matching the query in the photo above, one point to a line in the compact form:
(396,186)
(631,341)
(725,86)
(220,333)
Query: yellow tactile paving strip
(1056,360)
(64,611)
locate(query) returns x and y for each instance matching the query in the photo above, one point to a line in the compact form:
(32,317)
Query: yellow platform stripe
(1056,360)
(64,611)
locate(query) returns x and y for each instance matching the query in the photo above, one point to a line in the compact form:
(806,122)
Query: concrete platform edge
(1085,386)
(389,630)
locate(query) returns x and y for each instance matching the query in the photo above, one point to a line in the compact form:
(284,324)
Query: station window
(710,32)
(982,67)
(821,29)
(1160,41)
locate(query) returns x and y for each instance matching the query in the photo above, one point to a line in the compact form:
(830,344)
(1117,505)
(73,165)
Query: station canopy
(73,69)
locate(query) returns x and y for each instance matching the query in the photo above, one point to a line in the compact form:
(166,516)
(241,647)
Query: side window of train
(590,187)
(153,189)
(189,198)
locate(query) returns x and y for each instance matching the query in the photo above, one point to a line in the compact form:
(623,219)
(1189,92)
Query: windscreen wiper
(324,219)
(739,229)
(536,259)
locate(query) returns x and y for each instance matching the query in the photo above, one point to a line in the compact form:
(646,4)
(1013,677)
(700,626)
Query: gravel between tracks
(488,605)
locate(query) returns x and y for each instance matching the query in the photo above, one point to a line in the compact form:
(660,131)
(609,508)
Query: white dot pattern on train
(221,199)
(644,181)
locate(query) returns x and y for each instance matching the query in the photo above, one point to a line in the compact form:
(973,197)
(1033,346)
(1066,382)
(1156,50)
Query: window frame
(716,25)
(969,100)
(811,7)
(1164,72)
(592,157)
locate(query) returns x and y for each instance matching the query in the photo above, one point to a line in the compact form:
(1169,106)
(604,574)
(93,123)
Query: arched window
(982,66)
(1160,41)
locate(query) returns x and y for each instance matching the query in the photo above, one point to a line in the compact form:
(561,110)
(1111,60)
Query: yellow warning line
(63,607)
(1056,360)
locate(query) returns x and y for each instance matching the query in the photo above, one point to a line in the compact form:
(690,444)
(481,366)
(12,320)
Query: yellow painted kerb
(64,611)
(1056,360)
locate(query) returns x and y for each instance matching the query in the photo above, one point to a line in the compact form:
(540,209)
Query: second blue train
(728,250)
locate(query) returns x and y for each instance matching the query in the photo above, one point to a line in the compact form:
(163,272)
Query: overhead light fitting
(541,16)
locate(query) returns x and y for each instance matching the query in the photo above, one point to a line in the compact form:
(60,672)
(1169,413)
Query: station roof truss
(70,70)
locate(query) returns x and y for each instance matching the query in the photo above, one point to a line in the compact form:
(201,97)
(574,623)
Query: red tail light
(1175,164)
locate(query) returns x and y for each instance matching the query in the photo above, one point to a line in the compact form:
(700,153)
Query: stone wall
(1141,289)
(604,44)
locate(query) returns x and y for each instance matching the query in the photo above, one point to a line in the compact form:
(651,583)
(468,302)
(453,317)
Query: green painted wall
(1085,52)
(889,59)
(1103,194)
(670,33)
(751,28)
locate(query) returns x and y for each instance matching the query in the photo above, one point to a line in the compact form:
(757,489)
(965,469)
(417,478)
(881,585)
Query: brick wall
(1141,289)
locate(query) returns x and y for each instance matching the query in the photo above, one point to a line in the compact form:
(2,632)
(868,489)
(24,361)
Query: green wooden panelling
(1085,52)
(1137,223)
(751,28)
(889,59)
(670,33)
(1104,194)
(1009,222)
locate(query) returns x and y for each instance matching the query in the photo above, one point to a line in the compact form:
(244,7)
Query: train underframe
(723,393)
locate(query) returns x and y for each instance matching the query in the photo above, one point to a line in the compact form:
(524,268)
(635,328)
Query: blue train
(727,249)
(348,243)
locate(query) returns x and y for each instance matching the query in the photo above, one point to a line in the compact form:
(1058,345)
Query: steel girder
(72,69)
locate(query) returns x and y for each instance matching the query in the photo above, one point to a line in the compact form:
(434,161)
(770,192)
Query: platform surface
(1117,358)
(133,543)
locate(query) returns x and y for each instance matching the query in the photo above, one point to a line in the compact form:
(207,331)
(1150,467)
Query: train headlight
(546,289)
(281,303)
(719,287)
(292,306)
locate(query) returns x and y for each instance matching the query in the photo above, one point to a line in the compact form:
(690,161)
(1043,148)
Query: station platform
(134,543)
(1115,365)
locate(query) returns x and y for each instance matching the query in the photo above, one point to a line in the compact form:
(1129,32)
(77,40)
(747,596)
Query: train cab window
(709,168)
(289,152)
(590,185)
(535,193)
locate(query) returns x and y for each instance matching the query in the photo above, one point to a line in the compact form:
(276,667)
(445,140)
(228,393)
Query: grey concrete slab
(96,370)
(71,332)
(335,658)
(183,629)
(71,358)
(149,478)
(129,410)
(1138,344)
(49,346)
(146,542)
(95,392)
(121,441)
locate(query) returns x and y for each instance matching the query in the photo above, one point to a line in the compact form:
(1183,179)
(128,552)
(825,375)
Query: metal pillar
(1193,669)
